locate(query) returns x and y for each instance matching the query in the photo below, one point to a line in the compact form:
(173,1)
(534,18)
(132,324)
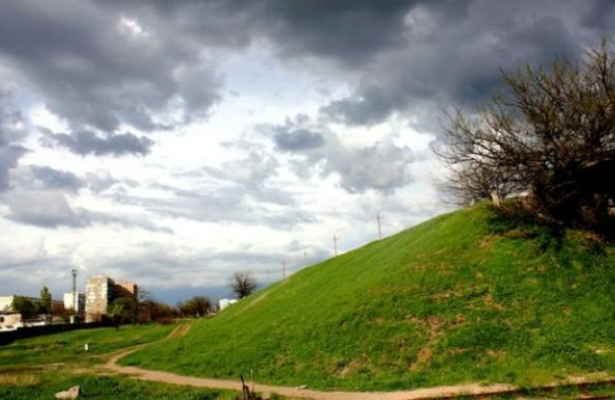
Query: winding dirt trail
(297,393)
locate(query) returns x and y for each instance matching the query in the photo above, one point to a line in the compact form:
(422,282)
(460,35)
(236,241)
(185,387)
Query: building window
(1,320)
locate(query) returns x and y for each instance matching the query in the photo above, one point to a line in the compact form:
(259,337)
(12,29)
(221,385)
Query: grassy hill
(464,297)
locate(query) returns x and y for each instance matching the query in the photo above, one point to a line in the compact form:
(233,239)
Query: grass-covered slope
(463,297)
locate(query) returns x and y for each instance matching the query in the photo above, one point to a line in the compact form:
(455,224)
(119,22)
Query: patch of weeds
(479,335)
(567,353)
(106,387)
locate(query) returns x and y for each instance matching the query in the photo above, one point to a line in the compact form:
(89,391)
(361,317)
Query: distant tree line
(195,307)
(30,308)
(141,307)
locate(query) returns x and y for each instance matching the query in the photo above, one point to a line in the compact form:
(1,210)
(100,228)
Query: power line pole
(379,226)
(74,272)
(304,258)
(284,269)
(335,245)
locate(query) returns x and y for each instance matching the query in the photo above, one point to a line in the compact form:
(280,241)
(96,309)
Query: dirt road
(431,393)
(297,393)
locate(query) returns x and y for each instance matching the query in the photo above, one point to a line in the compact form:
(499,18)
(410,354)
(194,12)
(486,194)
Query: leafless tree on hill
(242,283)
(549,135)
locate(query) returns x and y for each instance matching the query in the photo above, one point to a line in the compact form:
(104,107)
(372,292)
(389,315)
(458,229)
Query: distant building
(100,291)
(6,303)
(9,321)
(226,302)
(98,295)
(126,288)
(76,303)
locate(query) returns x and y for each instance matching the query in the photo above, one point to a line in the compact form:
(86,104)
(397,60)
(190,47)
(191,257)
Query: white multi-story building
(76,303)
(100,291)
(98,295)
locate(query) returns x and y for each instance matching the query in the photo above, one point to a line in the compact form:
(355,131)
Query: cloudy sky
(173,143)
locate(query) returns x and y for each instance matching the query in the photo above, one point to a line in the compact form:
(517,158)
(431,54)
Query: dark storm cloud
(99,68)
(101,64)
(357,29)
(459,62)
(600,15)
(9,157)
(87,142)
(44,209)
(37,177)
(298,140)
(55,179)
(11,132)
(350,32)
(405,53)
(51,209)
(368,105)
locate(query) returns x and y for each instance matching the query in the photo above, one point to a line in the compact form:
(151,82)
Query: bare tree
(142,298)
(549,135)
(242,283)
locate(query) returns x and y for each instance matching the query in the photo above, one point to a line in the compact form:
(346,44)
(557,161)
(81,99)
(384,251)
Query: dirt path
(441,392)
(431,393)
(181,330)
(170,378)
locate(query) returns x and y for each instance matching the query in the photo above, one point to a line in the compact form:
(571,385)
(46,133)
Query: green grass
(44,385)
(37,368)
(69,347)
(465,297)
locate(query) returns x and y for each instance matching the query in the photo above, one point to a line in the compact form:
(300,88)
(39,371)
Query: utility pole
(284,269)
(304,258)
(379,226)
(74,272)
(335,245)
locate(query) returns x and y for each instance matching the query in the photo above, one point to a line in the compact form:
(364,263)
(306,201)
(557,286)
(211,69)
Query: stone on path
(71,393)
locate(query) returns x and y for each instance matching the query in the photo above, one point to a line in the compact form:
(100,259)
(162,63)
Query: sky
(172,143)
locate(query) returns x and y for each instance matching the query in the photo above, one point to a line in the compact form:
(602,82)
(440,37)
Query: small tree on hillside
(242,283)
(549,135)
(117,311)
